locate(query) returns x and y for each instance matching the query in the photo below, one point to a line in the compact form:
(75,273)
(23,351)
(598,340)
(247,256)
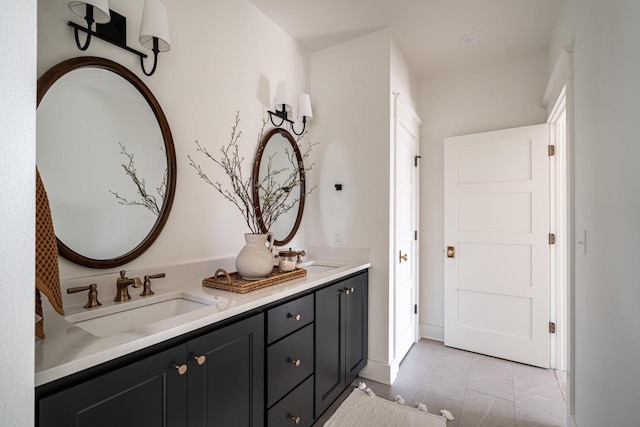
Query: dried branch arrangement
(272,189)
(146,200)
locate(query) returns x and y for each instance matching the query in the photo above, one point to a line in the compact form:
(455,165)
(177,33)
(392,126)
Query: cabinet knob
(294,316)
(295,419)
(346,291)
(182,369)
(295,361)
(199,359)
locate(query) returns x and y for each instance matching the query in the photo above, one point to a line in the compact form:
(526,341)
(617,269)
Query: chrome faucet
(122,286)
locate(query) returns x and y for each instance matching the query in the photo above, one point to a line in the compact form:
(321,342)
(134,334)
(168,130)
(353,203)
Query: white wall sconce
(283,99)
(112,27)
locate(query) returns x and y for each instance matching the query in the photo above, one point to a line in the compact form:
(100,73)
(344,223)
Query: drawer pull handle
(295,419)
(294,316)
(182,369)
(294,361)
(199,359)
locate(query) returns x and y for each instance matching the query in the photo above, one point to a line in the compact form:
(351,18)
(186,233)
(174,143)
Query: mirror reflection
(102,155)
(279,164)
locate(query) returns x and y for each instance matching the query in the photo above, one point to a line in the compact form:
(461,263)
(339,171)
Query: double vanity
(195,356)
(179,354)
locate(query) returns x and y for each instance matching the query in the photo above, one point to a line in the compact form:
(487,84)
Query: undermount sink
(126,316)
(317,267)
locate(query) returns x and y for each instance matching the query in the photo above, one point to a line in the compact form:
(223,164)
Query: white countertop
(68,349)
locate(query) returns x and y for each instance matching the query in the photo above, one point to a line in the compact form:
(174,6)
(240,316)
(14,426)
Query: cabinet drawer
(298,404)
(282,372)
(283,320)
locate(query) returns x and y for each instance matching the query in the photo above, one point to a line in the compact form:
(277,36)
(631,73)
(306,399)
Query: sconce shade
(155,23)
(283,95)
(100,9)
(304,106)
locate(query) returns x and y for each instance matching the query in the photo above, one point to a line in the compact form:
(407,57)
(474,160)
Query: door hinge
(415,160)
(552,328)
(415,308)
(415,235)
(551,150)
(552,239)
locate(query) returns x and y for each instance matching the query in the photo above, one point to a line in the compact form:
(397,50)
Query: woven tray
(235,283)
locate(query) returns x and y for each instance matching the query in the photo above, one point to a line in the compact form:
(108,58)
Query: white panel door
(406,215)
(496,199)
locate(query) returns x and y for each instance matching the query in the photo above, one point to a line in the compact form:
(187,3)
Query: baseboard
(380,372)
(432,332)
(572,420)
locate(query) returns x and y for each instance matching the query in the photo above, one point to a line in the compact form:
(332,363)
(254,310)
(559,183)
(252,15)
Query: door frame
(400,102)
(561,85)
(559,221)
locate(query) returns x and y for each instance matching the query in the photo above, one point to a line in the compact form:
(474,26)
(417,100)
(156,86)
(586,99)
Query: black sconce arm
(281,114)
(155,50)
(304,124)
(89,18)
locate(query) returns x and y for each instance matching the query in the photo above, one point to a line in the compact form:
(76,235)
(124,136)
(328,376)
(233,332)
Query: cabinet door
(330,345)
(147,393)
(341,337)
(228,388)
(356,326)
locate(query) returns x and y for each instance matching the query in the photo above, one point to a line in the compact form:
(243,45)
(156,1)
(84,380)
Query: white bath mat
(362,410)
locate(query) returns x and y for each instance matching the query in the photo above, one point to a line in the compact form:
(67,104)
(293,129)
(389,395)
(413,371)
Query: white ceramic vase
(255,260)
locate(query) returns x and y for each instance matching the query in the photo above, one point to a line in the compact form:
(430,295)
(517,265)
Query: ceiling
(429,32)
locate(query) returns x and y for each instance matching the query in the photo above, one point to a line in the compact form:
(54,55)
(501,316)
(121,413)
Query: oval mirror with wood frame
(279,167)
(106,156)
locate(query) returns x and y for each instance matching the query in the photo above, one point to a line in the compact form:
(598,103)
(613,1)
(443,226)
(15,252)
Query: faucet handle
(122,273)
(147,283)
(93,294)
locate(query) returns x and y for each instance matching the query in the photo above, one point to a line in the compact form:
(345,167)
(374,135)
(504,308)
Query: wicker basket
(235,283)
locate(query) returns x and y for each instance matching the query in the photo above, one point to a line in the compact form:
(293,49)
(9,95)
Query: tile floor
(479,391)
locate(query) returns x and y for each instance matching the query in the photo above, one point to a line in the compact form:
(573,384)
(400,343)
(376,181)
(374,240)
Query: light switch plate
(581,241)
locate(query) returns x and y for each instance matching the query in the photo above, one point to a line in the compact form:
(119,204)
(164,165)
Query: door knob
(404,257)
(295,419)
(451,252)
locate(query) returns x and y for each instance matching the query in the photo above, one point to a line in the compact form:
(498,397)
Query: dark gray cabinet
(222,389)
(227,389)
(147,393)
(341,337)
(281,364)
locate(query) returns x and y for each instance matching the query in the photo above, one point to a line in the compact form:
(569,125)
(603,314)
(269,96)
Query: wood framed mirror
(106,155)
(279,162)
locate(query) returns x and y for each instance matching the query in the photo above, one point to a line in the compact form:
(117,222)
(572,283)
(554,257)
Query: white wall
(562,36)
(403,80)
(607,197)
(496,96)
(226,56)
(17,210)
(350,86)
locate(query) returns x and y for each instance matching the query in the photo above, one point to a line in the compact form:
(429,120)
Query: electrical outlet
(337,238)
